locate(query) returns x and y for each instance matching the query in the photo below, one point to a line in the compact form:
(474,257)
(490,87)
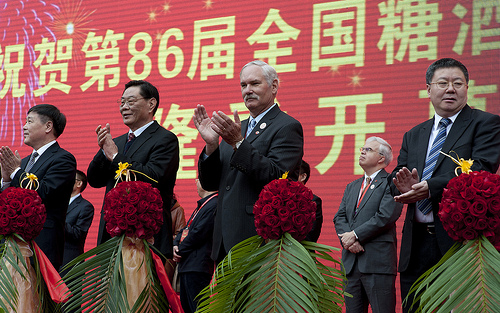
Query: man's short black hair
(445,63)
(83,178)
(305,169)
(147,91)
(49,112)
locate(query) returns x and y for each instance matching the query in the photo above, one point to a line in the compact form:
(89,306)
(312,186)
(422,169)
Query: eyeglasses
(366,150)
(129,101)
(442,84)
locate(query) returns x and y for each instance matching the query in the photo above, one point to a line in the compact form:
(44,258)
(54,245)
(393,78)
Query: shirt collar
(44,147)
(438,119)
(140,130)
(260,116)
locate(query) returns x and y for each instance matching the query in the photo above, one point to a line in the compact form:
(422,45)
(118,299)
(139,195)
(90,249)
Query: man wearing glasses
(366,226)
(422,171)
(148,147)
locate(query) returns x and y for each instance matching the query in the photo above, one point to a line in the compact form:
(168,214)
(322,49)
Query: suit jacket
(196,248)
(313,235)
(155,153)
(474,135)
(78,220)
(374,224)
(274,147)
(56,170)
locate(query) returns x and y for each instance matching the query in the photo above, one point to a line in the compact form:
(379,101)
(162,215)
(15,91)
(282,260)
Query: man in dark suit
(193,247)
(148,147)
(53,166)
(251,154)
(78,219)
(422,172)
(304,174)
(366,226)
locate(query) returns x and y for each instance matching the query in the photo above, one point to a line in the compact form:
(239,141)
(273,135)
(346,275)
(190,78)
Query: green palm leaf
(279,276)
(97,282)
(10,253)
(466,279)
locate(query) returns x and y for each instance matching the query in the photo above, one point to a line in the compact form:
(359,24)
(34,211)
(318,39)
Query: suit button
(228,187)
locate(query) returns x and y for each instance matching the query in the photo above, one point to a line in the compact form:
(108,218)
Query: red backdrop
(348,69)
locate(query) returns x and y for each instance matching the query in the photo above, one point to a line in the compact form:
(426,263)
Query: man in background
(304,174)
(55,169)
(423,172)
(193,247)
(251,154)
(149,149)
(366,226)
(78,220)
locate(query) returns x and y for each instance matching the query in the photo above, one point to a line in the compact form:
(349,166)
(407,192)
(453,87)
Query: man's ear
(152,104)
(49,126)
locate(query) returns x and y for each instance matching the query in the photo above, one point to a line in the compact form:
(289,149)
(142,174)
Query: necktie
(425,206)
(31,161)
(251,125)
(363,191)
(130,140)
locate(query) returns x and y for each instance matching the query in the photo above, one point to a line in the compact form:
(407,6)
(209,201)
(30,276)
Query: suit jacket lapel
(353,197)
(423,144)
(263,124)
(74,204)
(457,129)
(140,140)
(379,179)
(43,158)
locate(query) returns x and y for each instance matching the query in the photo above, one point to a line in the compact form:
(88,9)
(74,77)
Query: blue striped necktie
(425,206)
(250,127)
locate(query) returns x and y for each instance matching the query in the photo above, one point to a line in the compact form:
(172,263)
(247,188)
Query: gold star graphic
(334,69)
(166,7)
(356,80)
(152,16)
(208,4)
(159,34)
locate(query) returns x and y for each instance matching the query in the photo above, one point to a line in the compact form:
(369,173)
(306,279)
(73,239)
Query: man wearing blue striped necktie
(423,172)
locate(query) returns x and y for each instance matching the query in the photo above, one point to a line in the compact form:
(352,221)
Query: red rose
(469,234)
(478,207)
(494,205)
(469,193)
(463,206)
(481,224)
(15,204)
(133,199)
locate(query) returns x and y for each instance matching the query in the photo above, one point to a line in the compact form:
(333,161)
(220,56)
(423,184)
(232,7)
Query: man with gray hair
(252,153)
(366,226)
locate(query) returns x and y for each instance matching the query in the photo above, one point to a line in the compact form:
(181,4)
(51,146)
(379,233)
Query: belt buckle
(431,229)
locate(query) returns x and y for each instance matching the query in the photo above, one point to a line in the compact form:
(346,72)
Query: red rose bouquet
(284,206)
(466,278)
(21,212)
(125,267)
(133,208)
(266,272)
(471,206)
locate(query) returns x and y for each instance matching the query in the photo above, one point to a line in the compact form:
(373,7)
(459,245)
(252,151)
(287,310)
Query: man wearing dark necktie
(423,172)
(147,146)
(246,160)
(55,169)
(366,226)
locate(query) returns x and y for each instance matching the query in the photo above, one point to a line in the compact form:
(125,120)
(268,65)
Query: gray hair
(268,71)
(385,148)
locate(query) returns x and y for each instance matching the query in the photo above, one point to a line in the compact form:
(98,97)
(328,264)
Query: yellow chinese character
(342,24)
(9,74)
(49,54)
(483,14)
(104,57)
(411,23)
(272,53)
(338,130)
(217,58)
(177,121)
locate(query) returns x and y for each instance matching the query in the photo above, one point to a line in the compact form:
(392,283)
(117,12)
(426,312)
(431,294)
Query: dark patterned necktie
(31,161)
(130,140)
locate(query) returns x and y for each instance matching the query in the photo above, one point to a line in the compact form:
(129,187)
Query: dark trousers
(378,290)
(425,253)
(191,285)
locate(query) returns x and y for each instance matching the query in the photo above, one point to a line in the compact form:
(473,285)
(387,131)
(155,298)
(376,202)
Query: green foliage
(11,254)
(466,279)
(97,283)
(279,276)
